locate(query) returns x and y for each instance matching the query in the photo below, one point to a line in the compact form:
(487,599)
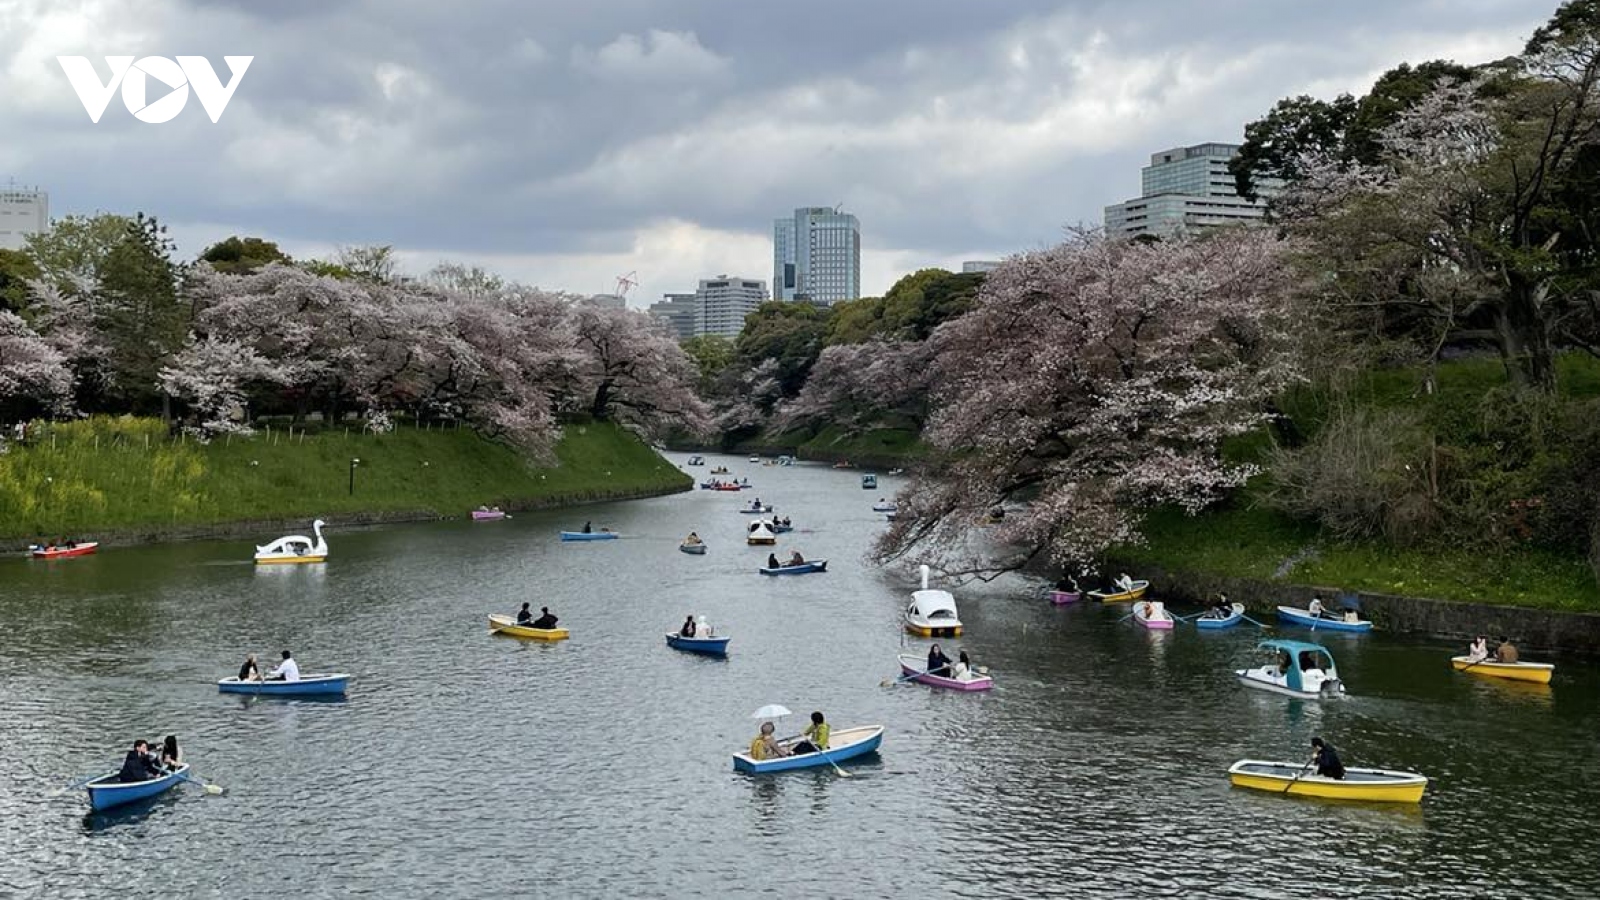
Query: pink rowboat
(487,515)
(1062,598)
(916,667)
(1152,614)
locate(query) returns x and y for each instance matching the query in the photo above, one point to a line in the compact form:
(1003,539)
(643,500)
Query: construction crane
(624,282)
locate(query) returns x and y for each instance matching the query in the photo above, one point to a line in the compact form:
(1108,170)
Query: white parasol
(771,711)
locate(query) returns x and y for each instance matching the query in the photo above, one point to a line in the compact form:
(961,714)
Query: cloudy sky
(564,143)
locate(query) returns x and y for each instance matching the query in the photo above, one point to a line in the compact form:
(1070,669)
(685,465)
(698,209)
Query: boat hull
(929,630)
(820,565)
(1538,673)
(695,549)
(1374,785)
(761,541)
(1292,616)
(1276,688)
(589,536)
(106,792)
(848,743)
(508,625)
(288,560)
(1137,593)
(755,512)
(1062,598)
(83,549)
(913,666)
(712,646)
(479,515)
(1211,623)
(331,683)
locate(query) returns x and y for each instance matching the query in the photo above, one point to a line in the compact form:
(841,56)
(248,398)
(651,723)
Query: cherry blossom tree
(859,385)
(1093,381)
(211,376)
(632,371)
(34,376)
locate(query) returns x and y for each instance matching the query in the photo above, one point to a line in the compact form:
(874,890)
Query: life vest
(758,748)
(819,735)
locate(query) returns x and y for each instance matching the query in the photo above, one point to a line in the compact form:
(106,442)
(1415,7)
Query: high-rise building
(677,311)
(608,301)
(722,303)
(816,256)
(1184,189)
(23,211)
(979,265)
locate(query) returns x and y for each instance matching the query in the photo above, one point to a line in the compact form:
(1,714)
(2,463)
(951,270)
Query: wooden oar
(901,680)
(1303,769)
(842,773)
(213,789)
(77,783)
(1254,622)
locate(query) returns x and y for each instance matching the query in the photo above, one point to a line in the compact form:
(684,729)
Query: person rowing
(772,561)
(1326,759)
(288,670)
(546,620)
(938,663)
(693,539)
(688,629)
(795,559)
(139,764)
(525,616)
(1220,608)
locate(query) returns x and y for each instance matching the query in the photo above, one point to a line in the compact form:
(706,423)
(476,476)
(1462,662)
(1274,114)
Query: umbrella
(771,711)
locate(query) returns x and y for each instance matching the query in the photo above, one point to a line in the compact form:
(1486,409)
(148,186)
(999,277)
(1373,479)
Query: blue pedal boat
(106,791)
(589,535)
(710,646)
(1348,621)
(327,683)
(847,743)
(1209,622)
(805,568)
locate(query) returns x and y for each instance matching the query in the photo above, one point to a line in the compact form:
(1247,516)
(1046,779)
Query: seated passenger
(938,663)
(795,559)
(1479,651)
(1506,652)
(815,737)
(688,629)
(288,670)
(765,746)
(772,561)
(249,671)
(138,765)
(525,616)
(544,621)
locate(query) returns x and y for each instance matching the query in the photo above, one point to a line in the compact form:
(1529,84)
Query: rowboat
(1380,785)
(1062,598)
(695,461)
(756,510)
(1153,614)
(846,743)
(1298,670)
(710,646)
(507,625)
(727,487)
(805,568)
(1212,622)
(932,613)
(589,535)
(916,668)
(1349,621)
(487,515)
(1133,593)
(885,506)
(780,528)
(324,683)
(106,791)
(295,548)
(755,459)
(39,551)
(1516,671)
(720,470)
(696,549)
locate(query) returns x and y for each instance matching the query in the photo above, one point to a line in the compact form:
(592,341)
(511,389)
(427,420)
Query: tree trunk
(602,401)
(1524,336)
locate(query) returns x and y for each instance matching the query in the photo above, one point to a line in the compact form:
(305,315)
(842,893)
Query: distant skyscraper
(609,301)
(677,310)
(979,265)
(23,211)
(1184,189)
(816,256)
(722,303)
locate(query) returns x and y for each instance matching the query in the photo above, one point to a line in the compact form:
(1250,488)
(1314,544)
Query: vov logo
(134,77)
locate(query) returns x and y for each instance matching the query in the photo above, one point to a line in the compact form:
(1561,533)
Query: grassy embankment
(1247,540)
(122,476)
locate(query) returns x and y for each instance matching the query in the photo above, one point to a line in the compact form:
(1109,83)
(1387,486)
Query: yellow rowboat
(508,625)
(1134,593)
(1378,785)
(281,560)
(1517,671)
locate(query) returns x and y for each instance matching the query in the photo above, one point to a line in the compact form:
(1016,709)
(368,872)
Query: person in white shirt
(1479,650)
(1316,608)
(288,670)
(1124,582)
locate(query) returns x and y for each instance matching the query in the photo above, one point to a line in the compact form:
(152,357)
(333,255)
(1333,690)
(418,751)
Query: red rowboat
(60,552)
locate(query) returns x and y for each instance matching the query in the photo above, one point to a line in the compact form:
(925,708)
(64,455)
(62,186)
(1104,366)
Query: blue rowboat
(847,743)
(696,549)
(331,683)
(1212,623)
(589,535)
(1348,622)
(710,646)
(780,529)
(756,510)
(106,791)
(815,565)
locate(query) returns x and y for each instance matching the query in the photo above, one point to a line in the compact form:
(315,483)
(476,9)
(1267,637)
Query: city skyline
(577,144)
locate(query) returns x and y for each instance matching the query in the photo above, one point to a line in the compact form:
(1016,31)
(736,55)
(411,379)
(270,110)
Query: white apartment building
(721,304)
(23,211)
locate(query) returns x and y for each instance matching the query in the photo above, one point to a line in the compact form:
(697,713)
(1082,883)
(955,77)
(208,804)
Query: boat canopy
(1302,656)
(932,604)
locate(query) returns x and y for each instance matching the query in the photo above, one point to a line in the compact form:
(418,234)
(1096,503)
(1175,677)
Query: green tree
(926,299)
(140,319)
(76,246)
(16,270)
(237,255)
(711,354)
(790,334)
(855,321)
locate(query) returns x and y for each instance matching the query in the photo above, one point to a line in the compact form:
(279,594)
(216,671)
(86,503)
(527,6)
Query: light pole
(353,464)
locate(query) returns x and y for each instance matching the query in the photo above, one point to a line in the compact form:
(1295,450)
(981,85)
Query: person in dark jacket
(1326,759)
(137,765)
(938,663)
(688,627)
(524,615)
(544,621)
